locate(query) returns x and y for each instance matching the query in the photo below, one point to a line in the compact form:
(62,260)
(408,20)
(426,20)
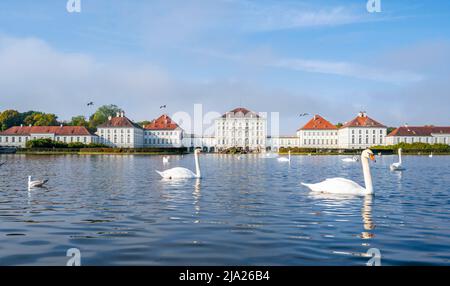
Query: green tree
(41,119)
(9,118)
(339,125)
(390,129)
(143,123)
(79,121)
(102,114)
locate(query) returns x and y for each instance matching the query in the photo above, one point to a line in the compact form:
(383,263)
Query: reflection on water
(252,211)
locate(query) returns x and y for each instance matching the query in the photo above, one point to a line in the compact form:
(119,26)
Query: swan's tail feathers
(160,173)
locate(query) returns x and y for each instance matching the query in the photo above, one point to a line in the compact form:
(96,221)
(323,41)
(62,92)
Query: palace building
(163,132)
(419,134)
(318,133)
(241,128)
(18,136)
(361,132)
(121,132)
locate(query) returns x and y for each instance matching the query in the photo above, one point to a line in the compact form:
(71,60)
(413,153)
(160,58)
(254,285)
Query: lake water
(117,211)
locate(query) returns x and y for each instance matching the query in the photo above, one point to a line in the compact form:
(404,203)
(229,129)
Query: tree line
(10,117)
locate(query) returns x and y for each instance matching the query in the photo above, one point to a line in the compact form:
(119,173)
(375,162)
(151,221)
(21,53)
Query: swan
(345,186)
(165,159)
(183,173)
(284,159)
(350,160)
(270,155)
(431,155)
(398,166)
(36,184)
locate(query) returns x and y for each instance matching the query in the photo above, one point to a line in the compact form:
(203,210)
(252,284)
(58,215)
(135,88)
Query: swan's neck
(289,155)
(197,166)
(29,179)
(400,156)
(367,175)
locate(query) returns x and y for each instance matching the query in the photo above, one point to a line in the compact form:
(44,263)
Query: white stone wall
(121,137)
(20,141)
(361,137)
(241,132)
(163,138)
(318,139)
(433,139)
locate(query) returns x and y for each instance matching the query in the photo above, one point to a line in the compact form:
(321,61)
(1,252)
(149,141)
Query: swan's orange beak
(372,157)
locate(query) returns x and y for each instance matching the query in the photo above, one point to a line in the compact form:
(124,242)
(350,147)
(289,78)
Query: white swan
(398,166)
(183,173)
(165,159)
(36,184)
(350,160)
(431,155)
(345,186)
(284,159)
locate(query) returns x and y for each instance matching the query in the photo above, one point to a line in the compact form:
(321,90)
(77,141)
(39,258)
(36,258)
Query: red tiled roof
(57,130)
(362,120)
(419,131)
(120,121)
(240,109)
(164,122)
(318,123)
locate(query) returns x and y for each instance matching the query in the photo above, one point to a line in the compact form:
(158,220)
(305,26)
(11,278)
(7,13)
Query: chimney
(315,116)
(21,125)
(29,125)
(61,125)
(109,117)
(117,114)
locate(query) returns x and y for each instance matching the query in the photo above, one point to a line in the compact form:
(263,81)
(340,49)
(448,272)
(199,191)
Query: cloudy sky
(326,57)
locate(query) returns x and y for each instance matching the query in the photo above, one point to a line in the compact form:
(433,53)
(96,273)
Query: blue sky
(327,57)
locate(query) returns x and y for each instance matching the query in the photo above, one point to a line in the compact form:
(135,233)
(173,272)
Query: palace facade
(239,128)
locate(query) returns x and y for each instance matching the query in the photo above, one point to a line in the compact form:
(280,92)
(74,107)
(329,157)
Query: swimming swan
(345,186)
(36,184)
(398,166)
(166,159)
(284,159)
(350,160)
(183,173)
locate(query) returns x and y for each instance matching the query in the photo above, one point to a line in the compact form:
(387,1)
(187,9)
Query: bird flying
(90,103)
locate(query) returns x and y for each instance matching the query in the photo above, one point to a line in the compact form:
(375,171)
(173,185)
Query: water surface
(253,211)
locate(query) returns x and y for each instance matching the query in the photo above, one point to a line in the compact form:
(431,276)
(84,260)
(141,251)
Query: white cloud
(340,68)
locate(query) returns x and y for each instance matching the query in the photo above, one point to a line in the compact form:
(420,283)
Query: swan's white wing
(336,186)
(177,173)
